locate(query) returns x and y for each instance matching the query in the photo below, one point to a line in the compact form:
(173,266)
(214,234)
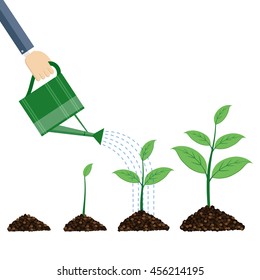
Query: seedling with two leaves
(153,177)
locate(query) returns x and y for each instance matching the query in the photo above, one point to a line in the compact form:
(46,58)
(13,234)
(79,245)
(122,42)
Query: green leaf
(127,175)
(156,175)
(228,140)
(191,158)
(221,114)
(229,167)
(87,169)
(199,137)
(147,150)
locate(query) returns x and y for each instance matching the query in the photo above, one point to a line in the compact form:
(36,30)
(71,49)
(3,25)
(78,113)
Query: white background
(151,70)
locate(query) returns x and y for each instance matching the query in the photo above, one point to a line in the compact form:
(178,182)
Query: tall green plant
(86,172)
(195,161)
(153,177)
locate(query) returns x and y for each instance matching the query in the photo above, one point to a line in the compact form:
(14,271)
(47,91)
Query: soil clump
(83,223)
(27,223)
(142,221)
(211,219)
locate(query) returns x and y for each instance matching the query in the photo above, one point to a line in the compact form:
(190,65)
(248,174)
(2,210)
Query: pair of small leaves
(224,142)
(153,177)
(196,162)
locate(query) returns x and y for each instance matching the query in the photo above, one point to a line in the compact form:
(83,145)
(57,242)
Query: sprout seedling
(83,222)
(196,162)
(153,177)
(86,172)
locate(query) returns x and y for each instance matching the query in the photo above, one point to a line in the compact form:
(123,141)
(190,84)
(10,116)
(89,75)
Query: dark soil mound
(83,223)
(142,221)
(27,223)
(211,219)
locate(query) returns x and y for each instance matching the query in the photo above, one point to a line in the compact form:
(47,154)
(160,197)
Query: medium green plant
(86,172)
(195,161)
(153,177)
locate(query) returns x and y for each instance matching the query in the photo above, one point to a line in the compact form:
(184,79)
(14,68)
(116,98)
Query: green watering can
(52,104)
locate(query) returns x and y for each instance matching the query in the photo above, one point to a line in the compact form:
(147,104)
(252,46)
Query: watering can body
(52,104)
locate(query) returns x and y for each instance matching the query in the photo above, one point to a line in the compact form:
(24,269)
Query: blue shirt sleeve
(14,29)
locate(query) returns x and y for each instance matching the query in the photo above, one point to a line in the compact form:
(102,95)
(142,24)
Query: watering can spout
(67,130)
(99,135)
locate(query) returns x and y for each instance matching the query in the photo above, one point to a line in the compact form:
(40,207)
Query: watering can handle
(55,65)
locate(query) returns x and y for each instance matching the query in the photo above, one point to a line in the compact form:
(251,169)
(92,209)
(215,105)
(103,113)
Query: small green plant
(195,161)
(86,172)
(153,177)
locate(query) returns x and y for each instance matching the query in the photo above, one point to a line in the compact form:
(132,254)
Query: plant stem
(142,198)
(209,167)
(142,189)
(84,201)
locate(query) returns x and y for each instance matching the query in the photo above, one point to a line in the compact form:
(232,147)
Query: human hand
(38,63)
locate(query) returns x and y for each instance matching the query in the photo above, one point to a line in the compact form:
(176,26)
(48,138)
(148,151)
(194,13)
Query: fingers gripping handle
(53,64)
